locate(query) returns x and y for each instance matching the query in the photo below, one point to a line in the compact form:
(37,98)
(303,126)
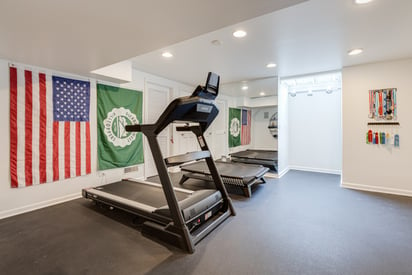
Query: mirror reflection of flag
(246,126)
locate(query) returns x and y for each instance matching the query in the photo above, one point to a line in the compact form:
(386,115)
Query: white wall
(283,131)
(315,135)
(19,200)
(261,136)
(375,167)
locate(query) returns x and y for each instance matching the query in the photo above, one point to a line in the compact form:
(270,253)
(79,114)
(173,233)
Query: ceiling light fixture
(270,65)
(361,2)
(167,55)
(355,51)
(244,88)
(239,34)
(262,93)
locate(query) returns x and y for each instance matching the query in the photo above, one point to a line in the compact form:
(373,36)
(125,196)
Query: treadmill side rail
(95,194)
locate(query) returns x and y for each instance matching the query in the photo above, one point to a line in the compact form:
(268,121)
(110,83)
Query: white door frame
(214,135)
(149,166)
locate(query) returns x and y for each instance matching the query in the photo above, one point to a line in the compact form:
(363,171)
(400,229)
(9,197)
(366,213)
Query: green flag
(116,108)
(234,127)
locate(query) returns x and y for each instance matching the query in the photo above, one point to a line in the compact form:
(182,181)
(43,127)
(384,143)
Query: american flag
(246,121)
(49,128)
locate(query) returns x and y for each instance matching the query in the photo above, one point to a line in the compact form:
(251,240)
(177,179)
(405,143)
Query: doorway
(157,99)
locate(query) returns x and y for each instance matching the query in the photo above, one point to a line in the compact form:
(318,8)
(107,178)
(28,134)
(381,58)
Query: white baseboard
(283,172)
(317,170)
(378,189)
(35,206)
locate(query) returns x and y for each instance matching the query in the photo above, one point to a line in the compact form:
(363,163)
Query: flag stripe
(82,148)
(13,127)
(62,155)
(66,149)
(55,151)
(49,129)
(43,128)
(35,141)
(20,128)
(29,127)
(72,152)
(88,160)
(78,152)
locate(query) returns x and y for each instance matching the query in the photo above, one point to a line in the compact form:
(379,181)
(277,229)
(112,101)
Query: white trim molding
(39,205)
(283,172)
(317,170)
(378,189)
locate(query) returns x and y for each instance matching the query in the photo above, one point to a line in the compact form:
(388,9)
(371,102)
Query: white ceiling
(310,37)
(302,37)
(257,87)
(79,36)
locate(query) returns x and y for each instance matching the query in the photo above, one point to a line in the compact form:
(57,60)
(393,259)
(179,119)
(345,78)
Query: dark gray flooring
(303,223)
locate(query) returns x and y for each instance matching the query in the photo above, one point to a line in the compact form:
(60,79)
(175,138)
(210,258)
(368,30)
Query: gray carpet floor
(303,223)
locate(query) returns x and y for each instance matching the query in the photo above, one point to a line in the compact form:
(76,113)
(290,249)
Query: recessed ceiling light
(244,88)
(262,93)
(239,34)
(270,65)
(167,54)
(355,51)
(361,2)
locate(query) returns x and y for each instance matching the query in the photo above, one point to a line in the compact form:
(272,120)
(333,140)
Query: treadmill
(174,215)
(239,175)
(267,158)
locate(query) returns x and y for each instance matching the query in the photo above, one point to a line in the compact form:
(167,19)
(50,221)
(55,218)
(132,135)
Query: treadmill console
(199,107)
(211,89)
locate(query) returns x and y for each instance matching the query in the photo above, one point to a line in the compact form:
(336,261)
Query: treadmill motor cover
(194,205)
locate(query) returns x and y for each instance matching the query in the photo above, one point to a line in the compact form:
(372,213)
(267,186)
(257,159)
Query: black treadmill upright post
(174,208)
(198,131)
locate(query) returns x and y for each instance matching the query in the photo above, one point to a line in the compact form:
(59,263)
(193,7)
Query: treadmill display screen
(212,83)
(203,108)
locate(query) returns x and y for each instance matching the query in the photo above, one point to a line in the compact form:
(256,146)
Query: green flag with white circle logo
(116,108)
(234,127)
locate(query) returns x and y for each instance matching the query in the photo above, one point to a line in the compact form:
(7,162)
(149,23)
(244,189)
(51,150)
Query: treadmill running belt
(266,158)
(142,193)
(257,154)
(227,169)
